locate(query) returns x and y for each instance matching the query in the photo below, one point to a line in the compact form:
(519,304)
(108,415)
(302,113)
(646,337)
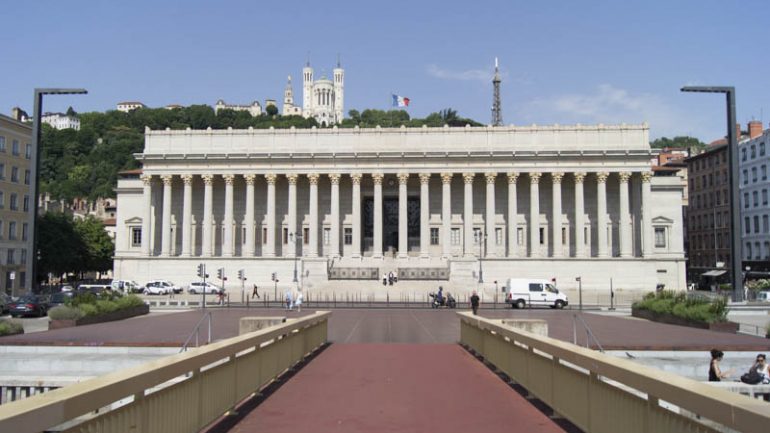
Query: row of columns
(377,178)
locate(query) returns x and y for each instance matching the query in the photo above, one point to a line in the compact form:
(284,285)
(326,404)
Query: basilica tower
(339,85)
(307,90)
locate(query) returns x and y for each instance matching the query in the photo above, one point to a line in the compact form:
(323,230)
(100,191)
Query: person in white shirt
(298,300)
(761,367)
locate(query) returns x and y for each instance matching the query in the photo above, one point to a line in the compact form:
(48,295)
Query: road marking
(423,327)
(360,317)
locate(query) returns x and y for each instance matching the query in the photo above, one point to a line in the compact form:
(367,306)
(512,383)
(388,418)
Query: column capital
(208,179)
(270,178)
(229,178)
(556,177)
(146,179)
(313,178)
(250,178)
(513,176)
(167,179)
(424,178)
(601,176)
(356,178)
(334,178)
(534,177)
(624,176)
(646,176)
(468,177)
(491,177)
(446,177)
(292,178)
(377,178)
(579,176)
(187,179)
(402,178)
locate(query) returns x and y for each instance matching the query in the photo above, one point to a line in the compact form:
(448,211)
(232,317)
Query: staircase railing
(196,333)
(589,334)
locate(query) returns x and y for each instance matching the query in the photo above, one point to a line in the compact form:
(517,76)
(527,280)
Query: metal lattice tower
(497,114)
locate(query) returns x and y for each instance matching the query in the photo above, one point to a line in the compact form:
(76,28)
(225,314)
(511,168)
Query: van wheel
(559,305)
(520,304)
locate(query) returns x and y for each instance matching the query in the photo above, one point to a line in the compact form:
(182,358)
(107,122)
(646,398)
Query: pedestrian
(475,303)
(384,280)
(288,299)
(715,373)
(761,367)
(298,300)
(255,292)
(221,297)
(390,278)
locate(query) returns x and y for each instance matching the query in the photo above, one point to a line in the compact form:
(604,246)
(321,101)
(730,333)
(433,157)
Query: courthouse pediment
(662,220)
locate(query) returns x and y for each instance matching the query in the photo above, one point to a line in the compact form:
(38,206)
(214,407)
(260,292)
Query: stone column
(269,247)
(312,250)
(227,222)
(601,211)
(491,251)
(334,251)
(468,249)
(355,178)
(292,241)
(534,214)
(208,211)
(513,236)
(165,234)
(187,216)
(377,242)
(580,242)
(556,214)
(248,250)
(403,239)
(625,216)
(147,220)
(424,215)
(647,231)
(446,215)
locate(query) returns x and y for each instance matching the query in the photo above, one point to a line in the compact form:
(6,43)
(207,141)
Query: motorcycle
(446,301)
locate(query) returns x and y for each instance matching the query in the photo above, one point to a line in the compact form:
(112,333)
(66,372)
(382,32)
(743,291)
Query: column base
(377,255)
(355,256)
(424,255)
(403,256)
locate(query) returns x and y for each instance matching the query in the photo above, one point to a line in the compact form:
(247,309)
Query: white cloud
(609,104)
(468,75)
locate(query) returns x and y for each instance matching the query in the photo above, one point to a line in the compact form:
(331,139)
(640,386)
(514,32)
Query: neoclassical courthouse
(432,204)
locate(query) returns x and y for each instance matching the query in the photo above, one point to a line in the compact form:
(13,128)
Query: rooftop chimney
(755,129)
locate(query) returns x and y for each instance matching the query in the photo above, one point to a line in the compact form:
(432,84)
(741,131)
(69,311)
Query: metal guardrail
(589,334)
(177,394)
(196,332)
(601,393)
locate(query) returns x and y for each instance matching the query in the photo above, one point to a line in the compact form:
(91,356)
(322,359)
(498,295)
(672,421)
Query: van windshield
(551,288)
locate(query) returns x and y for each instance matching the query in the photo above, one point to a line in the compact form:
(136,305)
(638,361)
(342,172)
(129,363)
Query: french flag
(400,101)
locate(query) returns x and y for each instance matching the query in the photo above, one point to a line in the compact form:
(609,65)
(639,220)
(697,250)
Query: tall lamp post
(296,238)
(482,238)
(735,221)
(32,253)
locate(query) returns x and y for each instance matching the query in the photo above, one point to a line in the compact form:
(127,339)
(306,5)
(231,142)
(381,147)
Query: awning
(714,273)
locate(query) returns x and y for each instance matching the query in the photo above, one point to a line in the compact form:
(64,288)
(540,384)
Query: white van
(521,292)
(126,286)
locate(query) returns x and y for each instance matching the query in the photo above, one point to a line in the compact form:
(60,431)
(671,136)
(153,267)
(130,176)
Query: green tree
(679,141)
(61,250)
(271,110)
(99,248)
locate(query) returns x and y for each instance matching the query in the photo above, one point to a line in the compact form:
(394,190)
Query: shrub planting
(694,308)
(10,327)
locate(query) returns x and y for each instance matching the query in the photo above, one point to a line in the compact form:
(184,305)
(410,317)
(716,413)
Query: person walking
(255,292)
(475,303)
(298,300)
(288,299)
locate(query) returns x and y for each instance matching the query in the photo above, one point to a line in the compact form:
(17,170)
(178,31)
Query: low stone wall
(109,317)
(535,326)
(730,327)
(251,324)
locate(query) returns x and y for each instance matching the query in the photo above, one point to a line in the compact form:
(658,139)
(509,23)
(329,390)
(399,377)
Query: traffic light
(221,273)
(273,276)
(201,270)
(240,275)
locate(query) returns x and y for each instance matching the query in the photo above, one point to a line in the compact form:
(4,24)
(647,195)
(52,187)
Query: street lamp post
(32,253)
(735,222)
(296,238)
(482,238)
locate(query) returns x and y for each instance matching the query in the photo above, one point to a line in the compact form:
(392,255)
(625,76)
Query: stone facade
(539,201)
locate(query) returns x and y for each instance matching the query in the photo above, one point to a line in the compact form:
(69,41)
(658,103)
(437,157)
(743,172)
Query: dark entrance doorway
(390,220)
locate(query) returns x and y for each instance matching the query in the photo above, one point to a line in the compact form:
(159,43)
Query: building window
(285,235)
(748,250)
(746,200)
(747,224)
(745,177)
(24,231)
(306,235)
(2,199)
(755,196)
(28,151)
(26,177)
(23,260)
(498,236)
(1,230)
(136,236)
(26,203)
(15,174)
(520,236)
(15,148)
(348,236)
(2,144)
(764,197)
(762,149)
(542,236)
(243,235)
(765,225)
(753,174)
(455,236)
(14,202)
(585,235)
(327,236)
(753,151)
(743,154)
(660,237)
(12,230)
(756,223)
(563,235)
(2,171)
(763,172)
(11,257)
(264,235)
(434,235)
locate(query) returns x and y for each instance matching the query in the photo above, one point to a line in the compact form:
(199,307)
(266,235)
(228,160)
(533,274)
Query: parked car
(126,286)
(199,286)
(161,287)
(763,296)
(28,305)
(60,298)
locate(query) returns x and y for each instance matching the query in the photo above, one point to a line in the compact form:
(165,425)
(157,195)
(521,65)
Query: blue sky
(563,61)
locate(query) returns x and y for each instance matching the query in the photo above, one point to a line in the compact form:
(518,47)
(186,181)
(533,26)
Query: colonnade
(268,249)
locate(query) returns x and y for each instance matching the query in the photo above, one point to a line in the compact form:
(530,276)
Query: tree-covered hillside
(86,163)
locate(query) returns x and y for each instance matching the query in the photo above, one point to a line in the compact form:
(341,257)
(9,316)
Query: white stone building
(322,99)
(61,121)
(432,204)
(129,105)
(255,109)
(754,163)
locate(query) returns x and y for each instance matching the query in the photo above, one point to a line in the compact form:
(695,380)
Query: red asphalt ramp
(395,388)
